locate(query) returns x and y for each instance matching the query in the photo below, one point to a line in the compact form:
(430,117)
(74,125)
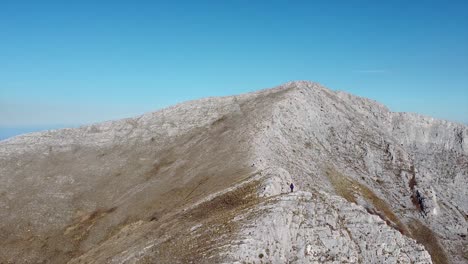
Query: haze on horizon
(67,64)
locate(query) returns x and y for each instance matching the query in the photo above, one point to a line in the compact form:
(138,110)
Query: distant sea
(8,132)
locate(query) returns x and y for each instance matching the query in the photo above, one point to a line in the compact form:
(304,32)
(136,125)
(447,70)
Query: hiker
(291,186)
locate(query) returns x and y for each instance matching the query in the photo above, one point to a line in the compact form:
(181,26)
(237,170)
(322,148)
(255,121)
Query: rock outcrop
(207,181)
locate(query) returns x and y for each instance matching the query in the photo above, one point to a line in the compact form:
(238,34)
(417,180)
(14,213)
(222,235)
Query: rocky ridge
(207,181)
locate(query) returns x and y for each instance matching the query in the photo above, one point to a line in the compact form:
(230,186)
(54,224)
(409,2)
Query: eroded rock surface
(207,181)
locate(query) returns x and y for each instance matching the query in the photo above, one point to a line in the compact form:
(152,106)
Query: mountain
(207,181)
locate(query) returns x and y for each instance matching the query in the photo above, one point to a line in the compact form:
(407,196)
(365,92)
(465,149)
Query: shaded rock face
(207,181)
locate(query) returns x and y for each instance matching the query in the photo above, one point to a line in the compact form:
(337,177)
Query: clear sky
(66,63)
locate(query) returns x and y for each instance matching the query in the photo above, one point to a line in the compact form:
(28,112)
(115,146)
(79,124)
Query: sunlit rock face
(207,181)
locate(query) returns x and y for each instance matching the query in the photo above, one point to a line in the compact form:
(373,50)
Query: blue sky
(65,63)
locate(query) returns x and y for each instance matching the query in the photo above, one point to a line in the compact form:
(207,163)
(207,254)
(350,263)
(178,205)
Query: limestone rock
(207,181)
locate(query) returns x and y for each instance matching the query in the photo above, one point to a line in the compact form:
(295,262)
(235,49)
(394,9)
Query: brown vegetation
(349,189)
(425,236)
(215,217)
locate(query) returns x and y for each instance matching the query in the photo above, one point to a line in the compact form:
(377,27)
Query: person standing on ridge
(291,186)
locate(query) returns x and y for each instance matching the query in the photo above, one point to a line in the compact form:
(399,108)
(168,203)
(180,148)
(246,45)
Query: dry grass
(350,189)
(425,236)
(80,230)
(149,172)
(186,246)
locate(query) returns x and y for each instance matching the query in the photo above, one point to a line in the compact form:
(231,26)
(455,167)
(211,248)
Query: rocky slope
(207,182)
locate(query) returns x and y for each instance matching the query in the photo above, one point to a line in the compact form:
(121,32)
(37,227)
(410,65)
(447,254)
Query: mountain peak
(208,181)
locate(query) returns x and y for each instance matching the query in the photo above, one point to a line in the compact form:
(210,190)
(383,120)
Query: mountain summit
(208,181)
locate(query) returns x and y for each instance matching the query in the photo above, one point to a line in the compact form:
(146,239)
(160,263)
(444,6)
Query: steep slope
(358,149)
(207,181)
